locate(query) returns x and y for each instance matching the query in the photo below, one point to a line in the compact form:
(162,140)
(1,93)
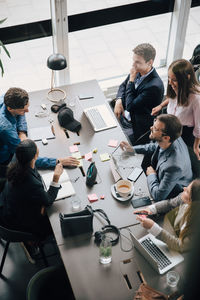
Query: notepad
(66,189)
(39,133)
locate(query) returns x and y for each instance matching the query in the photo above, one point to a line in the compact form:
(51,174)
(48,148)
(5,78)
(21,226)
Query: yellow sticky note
(104,156)
(77,155)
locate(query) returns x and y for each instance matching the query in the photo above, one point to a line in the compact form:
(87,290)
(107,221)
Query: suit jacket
(139,102)
(173,224)
(173,168)
(22,203)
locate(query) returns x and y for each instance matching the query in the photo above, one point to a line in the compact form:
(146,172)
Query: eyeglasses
(158,129)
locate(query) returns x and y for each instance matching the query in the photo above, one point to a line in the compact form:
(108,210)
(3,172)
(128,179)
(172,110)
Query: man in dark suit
(169,169)
(138,94)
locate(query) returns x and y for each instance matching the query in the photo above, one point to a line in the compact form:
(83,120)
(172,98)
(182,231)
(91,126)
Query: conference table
(89,279)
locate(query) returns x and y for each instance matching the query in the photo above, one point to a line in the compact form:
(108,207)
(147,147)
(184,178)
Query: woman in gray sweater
(182,212)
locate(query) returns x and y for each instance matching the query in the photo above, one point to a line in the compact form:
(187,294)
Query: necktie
(154,159)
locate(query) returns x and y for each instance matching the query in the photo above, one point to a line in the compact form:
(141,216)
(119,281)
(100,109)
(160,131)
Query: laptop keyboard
(156,253)
(96,118)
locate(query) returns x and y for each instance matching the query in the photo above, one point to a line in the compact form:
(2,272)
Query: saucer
(119,198)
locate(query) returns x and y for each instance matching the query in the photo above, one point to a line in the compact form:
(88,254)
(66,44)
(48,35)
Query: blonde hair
(192,212)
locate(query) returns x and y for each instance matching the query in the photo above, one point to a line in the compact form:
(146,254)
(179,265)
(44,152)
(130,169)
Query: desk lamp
(56,62)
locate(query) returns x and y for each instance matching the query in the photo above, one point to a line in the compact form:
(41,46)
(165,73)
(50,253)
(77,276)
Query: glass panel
(192,38)
(24,11)
(82,6)
(27,67)
(106,52)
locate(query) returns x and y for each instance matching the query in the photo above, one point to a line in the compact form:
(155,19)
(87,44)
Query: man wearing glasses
(170,167)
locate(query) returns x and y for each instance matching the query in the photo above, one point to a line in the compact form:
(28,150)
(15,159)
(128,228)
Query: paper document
(67,188)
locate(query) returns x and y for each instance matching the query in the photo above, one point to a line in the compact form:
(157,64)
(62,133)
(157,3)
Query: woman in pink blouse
(183,101)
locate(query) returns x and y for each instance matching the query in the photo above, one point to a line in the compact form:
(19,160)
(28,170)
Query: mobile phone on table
(134,175)
(139,202)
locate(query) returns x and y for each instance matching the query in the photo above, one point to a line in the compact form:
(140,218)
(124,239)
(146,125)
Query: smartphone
(139,202)
(134,175)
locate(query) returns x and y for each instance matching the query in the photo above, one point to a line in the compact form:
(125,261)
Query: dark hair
(145,50)
(16,98)
(187,83)
(25,152)
(173,127)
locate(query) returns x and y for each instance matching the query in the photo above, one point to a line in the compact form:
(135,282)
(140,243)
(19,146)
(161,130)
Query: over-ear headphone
(108,228)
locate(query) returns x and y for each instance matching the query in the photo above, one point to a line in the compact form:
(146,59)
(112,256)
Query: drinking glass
(172,278)
(105,250)
(76,203)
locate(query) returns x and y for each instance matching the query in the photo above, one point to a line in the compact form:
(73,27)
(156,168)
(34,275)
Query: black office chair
(13,236)
(50,283)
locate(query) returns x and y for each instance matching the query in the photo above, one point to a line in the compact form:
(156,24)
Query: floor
(18,271)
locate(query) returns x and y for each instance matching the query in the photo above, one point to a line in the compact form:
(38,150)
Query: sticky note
(113,143)
(104,156)
(102,197)
(73,148)
(77,155)
(92,197)
(88,156)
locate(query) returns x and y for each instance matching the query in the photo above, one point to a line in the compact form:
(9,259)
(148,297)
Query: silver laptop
(157,253)
(100,117)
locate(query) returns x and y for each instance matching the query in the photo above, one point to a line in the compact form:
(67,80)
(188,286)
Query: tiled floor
(103,52)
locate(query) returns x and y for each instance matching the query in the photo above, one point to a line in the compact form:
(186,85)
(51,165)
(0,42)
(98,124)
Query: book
(66,189)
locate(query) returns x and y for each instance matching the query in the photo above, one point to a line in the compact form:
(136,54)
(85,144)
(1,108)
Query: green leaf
(4,48)
(2,69)
(1,21)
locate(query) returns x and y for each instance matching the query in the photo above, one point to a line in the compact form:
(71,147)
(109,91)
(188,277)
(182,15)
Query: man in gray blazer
(170,167)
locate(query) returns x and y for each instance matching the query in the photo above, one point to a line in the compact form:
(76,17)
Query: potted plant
(4,48)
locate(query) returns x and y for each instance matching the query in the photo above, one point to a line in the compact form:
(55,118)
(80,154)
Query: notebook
(157,253)
(100,117)
(39,133)
(66,189)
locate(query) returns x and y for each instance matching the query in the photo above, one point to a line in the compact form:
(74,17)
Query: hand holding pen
(146,211)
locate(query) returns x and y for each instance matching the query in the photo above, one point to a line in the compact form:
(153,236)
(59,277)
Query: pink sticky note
(88,156)
(113,143)
(92,197)
(73,148)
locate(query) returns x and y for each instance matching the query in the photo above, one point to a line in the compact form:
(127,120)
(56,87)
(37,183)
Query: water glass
(76,203)
(172,278)
(105,250)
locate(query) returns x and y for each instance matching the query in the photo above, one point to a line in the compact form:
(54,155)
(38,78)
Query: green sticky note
(104,157)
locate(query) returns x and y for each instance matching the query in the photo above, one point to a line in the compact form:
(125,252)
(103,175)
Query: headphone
(108,228)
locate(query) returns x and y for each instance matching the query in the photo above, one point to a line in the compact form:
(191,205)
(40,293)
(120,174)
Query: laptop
(100,117)
(157,253)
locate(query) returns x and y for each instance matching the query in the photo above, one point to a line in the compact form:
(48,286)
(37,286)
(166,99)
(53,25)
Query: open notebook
(67,188)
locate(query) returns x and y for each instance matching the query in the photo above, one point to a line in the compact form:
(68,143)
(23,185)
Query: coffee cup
(124,187)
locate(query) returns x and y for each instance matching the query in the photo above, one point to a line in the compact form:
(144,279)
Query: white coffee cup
(124,187)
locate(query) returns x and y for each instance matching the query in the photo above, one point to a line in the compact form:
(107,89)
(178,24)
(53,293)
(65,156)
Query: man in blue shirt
(13,129)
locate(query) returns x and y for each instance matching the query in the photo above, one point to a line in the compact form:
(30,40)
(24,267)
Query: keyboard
(96,118)
(156,253)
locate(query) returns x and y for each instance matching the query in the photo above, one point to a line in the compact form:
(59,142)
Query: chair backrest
(50,283)
(195,163)
(15,236)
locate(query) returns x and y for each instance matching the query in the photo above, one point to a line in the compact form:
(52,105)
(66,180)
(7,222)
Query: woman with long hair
(23,198)
(183,101)
(182,213)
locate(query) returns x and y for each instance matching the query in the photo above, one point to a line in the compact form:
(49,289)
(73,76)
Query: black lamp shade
(56,62)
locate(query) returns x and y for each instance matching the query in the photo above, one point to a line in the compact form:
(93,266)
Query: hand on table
(118,109)
(69,161)
(126,146)
(143,211)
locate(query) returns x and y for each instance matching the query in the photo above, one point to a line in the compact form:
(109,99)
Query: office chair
(14,236)
(49,283)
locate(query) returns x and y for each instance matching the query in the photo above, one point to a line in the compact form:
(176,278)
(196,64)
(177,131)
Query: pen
(115,149)
(140,213)
(52,129)
(78,143)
